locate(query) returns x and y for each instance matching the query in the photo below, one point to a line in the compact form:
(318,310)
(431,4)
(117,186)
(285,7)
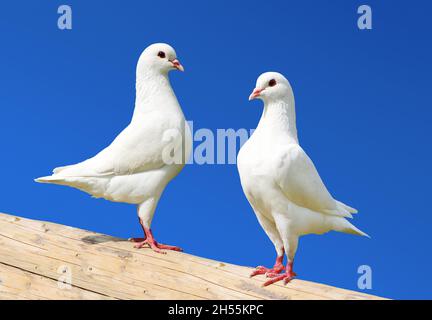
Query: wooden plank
(20,285)
(35,254)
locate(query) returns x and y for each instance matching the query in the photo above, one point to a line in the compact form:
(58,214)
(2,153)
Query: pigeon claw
(267,271)
(149,241)
(277,268)
(155,246)
(286,277)
(259,270)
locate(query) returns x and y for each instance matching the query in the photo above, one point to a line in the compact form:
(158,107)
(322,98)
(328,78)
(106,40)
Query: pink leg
(287,276)
(277,268)
(150,241)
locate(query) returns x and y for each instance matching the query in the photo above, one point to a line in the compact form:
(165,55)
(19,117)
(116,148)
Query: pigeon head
(160,58)
(271,86)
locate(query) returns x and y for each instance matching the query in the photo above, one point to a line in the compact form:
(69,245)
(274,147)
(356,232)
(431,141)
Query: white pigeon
(147,154)
(280,181)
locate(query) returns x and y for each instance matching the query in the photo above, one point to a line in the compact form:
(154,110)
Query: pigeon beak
(177,65)
(256,93)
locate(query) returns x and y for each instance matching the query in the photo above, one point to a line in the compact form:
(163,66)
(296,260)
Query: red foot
(269,272)
(287,276)
(152,243)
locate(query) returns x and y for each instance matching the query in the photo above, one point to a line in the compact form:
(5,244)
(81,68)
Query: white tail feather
(49,179)
(346,207)
(343,225)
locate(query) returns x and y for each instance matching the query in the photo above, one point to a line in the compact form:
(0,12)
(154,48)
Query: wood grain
(35,255)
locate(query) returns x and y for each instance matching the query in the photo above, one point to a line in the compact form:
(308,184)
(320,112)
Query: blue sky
(363,111)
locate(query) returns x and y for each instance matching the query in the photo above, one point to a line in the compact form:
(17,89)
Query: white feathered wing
(301,184)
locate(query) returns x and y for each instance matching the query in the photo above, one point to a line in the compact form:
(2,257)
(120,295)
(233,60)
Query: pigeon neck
(153,91)
(280,116)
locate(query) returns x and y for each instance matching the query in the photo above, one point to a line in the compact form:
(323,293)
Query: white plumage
(281,182)
(147,154)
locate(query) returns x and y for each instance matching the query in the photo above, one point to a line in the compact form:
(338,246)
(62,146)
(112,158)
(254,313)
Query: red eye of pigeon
(272,82)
